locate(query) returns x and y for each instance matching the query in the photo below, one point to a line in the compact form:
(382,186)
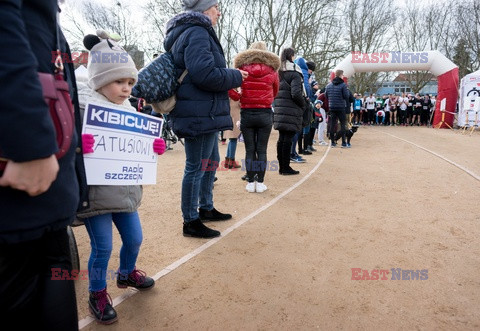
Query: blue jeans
(99,229)
(231,148)
(200,168)
(293,152)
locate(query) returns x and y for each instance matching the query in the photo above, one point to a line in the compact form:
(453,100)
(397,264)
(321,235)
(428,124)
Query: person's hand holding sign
(159,146)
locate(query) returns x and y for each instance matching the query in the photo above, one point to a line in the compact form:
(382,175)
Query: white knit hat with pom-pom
(107,60)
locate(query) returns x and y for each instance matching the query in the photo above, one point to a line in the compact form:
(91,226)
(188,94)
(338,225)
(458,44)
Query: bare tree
(115,18)
(468,22)
(462,58)
(157,14)
(311,27)
(230,28)
(369,23)
(419,29)
(73,26)
(323,31)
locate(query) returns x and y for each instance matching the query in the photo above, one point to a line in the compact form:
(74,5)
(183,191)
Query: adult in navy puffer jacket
(258,91)
(338,98)
(38,196)
(202,108)
(202,104)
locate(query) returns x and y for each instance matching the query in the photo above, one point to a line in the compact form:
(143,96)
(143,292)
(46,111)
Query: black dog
(348,134)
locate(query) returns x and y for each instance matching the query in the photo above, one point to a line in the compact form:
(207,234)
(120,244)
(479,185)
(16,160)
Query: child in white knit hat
(111,76)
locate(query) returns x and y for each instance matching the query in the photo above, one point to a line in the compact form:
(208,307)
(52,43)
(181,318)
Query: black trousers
(29,297)
(284,145)
(256,125)
(371,115)
(334,115)
(310,136)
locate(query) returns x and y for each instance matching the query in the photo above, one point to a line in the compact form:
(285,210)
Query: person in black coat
(288,108)
(338,98)
(202,108)
(38,194)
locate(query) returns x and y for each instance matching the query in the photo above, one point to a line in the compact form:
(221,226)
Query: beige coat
(235,114)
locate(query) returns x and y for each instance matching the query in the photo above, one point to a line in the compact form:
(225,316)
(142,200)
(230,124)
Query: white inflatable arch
(433,61)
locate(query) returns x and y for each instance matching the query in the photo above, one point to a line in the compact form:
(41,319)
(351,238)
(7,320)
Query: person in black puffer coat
(338,98)
(202,108)
(288,108)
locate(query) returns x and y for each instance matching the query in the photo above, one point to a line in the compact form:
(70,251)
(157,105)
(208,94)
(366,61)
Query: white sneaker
(323,143)
(261,187)
(250,187)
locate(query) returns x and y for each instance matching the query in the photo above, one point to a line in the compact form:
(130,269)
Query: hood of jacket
(181,22)
(300,61)
(290,66)
(337,81)
(251,56)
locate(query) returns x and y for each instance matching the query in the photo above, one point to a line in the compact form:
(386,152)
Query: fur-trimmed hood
(188,18)
(250,56)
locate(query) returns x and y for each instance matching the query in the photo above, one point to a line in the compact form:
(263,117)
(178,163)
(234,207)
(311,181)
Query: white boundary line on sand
(471,173)
(116,301)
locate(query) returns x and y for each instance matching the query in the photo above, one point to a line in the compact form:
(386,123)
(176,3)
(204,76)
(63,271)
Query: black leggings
(285,137)
(29,297)
(256,125)
(284,145)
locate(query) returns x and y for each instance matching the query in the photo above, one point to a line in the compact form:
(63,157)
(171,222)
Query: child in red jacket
(256,116)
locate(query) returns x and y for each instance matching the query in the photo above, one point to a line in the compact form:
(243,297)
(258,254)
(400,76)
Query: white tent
(81,74)
(469,103)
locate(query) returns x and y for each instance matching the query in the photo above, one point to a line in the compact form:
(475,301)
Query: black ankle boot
(196,229)
(289,171)
(212,215)
(137,278)
(100,305)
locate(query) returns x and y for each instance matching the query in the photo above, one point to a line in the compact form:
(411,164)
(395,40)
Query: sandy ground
(383,204)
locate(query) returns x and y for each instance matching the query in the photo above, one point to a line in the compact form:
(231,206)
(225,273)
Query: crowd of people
(392,109)
(40,195)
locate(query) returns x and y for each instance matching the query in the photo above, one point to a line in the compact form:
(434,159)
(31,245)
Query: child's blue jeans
(99,229)
(231,148)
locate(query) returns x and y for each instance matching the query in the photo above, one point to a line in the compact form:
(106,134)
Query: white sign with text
(468,112)
(123,150)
